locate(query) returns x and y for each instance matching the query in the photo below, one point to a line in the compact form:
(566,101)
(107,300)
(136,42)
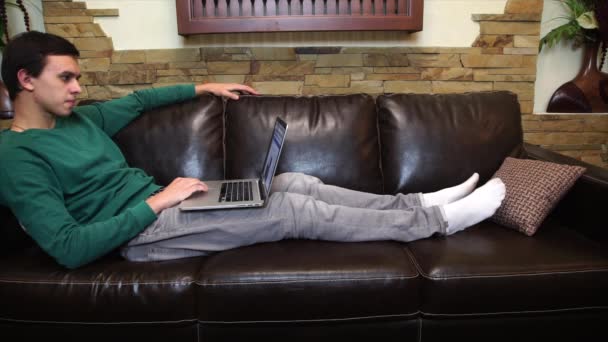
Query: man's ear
(25,80)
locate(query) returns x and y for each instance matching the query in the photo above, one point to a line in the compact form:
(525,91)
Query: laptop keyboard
(236,191)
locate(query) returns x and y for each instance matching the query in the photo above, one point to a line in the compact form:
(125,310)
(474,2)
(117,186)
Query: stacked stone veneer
(503,57)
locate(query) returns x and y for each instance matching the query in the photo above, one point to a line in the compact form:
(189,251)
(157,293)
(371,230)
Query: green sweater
(70,186)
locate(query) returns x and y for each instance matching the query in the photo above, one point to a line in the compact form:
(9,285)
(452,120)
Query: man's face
(56,88)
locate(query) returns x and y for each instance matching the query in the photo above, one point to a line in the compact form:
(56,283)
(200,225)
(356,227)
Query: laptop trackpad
(204,197)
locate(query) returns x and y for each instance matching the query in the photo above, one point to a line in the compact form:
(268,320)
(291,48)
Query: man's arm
(36,199)
(174,193)
(224,89)
(113,115)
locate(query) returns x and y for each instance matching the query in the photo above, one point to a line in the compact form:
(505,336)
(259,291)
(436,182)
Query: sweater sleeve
(112,116)
(36,199)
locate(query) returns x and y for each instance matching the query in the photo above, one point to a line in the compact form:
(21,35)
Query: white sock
(476,207)
(449,195)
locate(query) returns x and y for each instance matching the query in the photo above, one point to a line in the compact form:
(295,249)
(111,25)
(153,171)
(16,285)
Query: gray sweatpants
(300,207)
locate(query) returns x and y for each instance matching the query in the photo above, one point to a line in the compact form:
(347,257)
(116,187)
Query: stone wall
(503,57)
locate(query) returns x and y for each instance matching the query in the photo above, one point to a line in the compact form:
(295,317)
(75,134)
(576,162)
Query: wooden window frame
(369,15)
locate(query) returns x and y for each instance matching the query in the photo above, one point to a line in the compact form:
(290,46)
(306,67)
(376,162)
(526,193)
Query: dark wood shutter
(222,16)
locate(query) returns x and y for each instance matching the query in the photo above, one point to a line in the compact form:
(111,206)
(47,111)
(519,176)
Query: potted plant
(586,26)
(580,26)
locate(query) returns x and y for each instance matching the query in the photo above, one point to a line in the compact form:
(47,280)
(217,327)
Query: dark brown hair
(28,51)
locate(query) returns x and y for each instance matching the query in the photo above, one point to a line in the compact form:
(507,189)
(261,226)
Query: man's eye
(65,78)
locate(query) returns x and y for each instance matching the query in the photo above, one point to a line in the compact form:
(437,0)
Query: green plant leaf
(571,30)
(578,7)
(567,32)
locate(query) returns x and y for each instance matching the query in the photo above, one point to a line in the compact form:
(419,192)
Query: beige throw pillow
(533,189)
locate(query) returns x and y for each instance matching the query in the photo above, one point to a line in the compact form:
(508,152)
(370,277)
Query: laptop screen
(274,151)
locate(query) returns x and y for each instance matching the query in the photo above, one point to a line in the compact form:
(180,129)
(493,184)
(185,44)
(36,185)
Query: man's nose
(75,88)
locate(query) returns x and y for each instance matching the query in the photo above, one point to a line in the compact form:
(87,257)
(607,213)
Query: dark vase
(587,92)
(6,106)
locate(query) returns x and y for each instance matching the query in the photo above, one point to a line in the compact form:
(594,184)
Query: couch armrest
(585,206)
(12,237)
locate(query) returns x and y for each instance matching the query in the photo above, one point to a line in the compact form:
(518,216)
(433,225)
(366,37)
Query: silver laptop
(242,193)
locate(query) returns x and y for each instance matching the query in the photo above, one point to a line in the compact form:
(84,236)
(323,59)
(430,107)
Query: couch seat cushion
(34,288)
(308,280)
(492,269)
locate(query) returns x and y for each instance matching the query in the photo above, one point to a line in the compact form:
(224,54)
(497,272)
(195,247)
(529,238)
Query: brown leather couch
(487,283)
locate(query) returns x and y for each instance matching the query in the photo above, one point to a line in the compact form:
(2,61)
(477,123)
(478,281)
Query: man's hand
(174,193)
(224,89)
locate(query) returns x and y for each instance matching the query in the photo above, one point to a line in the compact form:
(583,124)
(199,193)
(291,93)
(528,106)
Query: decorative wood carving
(222,16)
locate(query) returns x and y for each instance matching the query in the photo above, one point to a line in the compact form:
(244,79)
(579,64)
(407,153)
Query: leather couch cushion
(308,280)
(334,138)
(381,329)
(493,269)
(34,288)
(158,332)
(430,142)
(529,327)
(181,140)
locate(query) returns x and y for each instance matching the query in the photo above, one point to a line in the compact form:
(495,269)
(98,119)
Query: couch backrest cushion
(334,138)
(184,140)
(433,141)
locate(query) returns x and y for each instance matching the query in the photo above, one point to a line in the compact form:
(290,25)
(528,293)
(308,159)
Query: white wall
(151,24)
(446,23)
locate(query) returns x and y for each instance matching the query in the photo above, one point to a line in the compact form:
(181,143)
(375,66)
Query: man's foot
(476,207)
(449,195)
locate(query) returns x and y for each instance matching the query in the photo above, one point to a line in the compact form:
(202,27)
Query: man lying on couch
(72,191)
